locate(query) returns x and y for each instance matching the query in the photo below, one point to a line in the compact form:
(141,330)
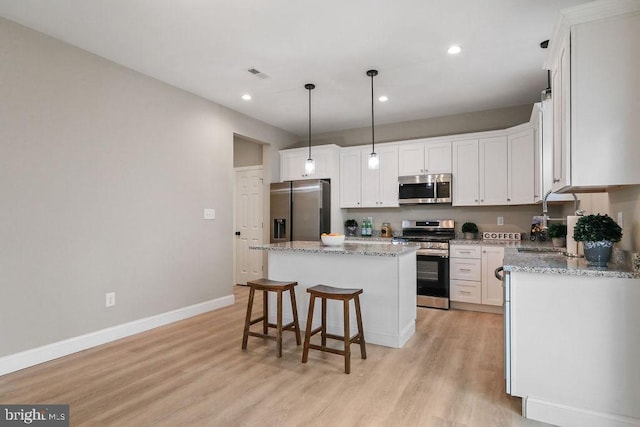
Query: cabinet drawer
(465,269)
(465,291)
(462,251)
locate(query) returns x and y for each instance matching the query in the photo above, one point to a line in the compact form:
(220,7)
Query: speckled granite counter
(348,248)
(557,263)
(504,243)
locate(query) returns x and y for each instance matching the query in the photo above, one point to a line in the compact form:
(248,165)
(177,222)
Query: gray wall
(104,174)
(450,125)
(246,153)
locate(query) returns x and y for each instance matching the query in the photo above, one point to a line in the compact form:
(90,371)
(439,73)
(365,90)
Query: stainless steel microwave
(424,189)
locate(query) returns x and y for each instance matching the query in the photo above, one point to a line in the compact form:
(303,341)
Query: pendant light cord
(373,133)
(372,74)
(309,87)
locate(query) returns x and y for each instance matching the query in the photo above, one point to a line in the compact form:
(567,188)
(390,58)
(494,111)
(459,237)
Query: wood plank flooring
(194,373)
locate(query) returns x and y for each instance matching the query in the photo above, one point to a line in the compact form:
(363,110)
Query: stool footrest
(327,349)
(261,335)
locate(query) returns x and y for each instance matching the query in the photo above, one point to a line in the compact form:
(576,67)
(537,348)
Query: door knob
(237,233)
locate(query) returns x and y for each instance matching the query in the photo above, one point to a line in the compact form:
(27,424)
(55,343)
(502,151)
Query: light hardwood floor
(194,373)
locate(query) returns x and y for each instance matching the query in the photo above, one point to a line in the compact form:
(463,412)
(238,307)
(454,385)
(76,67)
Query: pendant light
(310,165)
(374,162)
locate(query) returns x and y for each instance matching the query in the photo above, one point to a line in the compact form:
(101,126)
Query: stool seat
(325,292)
(266,285)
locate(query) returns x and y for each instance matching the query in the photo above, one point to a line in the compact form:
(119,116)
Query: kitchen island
(386,272)
(572,341)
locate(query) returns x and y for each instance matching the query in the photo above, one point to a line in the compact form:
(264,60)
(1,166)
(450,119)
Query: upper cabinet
(292,162)
(368,188)
(594,58)
(421,157)
(496,170)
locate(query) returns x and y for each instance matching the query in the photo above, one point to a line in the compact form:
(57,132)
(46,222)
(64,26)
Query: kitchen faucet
(545,210)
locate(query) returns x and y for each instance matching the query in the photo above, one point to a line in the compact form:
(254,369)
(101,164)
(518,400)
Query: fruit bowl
(332,239)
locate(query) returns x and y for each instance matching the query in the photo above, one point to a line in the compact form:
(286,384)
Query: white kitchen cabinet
(350,179)
(496,170)
(465,172)
(594,56)
(493,170)
(492,258)
(418,158)
(292,162)
(380,186)
(471,269)
(521,168)
(465,272)
(364,187)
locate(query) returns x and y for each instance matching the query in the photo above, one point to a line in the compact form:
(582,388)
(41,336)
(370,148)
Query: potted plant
(598,232)
(558,234)
(351,225)
(469,229)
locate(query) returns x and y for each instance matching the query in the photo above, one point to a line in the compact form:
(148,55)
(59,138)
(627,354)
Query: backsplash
(517,219)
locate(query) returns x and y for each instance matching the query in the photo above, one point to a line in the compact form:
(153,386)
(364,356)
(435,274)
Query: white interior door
(249,223)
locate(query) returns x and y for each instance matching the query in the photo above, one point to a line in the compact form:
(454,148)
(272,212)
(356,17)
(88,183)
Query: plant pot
(559,242)
(469,236)
(598,253)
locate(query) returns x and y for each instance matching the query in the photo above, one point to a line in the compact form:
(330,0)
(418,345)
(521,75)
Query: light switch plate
(620,219)
(209,214)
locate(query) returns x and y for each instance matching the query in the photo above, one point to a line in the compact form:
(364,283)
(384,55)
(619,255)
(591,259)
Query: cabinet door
(370,181)
(292,165)
(411,159)
(521,168)
(561,118)
(492,258)
(350,179)
(388,175)
(493,171)
(465,172)
(437,157)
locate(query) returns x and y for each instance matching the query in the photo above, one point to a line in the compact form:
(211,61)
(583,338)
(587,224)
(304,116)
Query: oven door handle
(497,273)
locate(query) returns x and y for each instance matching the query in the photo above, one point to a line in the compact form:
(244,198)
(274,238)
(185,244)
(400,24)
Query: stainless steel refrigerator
(300,210)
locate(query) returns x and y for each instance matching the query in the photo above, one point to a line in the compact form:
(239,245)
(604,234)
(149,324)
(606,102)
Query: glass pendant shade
(309,167)
(374,161)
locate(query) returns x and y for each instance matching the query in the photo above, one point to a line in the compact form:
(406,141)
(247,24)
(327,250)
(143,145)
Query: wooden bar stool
(266,285)
(344,295)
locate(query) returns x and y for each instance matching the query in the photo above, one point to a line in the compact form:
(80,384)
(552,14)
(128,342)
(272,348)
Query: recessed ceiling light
(246,97)
(455,49)
(383,99)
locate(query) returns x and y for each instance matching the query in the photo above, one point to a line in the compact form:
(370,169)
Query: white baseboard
(568,416)
(25,359)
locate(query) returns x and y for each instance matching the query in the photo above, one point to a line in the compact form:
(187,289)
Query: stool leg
(294,308)
(265,312)
(279,325)
(247,319)
(347,336)
(323,334)
(363,350)
(307,334)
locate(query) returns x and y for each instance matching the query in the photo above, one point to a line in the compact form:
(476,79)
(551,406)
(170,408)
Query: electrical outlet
(110,299)
(500,220)
(209,214)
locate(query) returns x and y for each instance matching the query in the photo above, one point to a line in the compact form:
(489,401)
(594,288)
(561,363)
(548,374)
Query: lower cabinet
(472,274)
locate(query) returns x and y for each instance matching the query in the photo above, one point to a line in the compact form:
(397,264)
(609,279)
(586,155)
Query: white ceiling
(206,47)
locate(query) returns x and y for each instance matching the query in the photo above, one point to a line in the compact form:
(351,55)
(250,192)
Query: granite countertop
(348,248)
(504,243)
(554,262)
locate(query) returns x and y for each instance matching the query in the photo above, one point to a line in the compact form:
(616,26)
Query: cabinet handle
(476,200)
(465,269)
(482,200)
(556,180)
(508,200)
(465,292)
(535,195)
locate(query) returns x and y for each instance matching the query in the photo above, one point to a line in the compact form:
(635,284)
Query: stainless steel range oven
(432,259)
